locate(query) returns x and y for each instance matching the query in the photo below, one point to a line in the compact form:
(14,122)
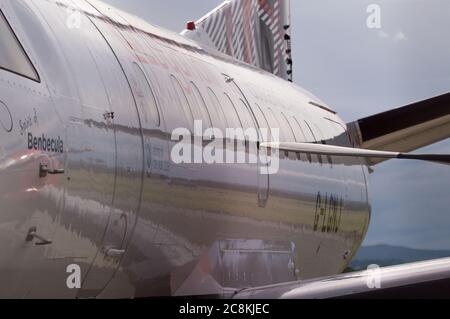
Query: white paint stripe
(236,11)
(214,31)
(240,47)
(237,34)
(276,37)
(219,33)
(278,44)
(274,26)
(222,44)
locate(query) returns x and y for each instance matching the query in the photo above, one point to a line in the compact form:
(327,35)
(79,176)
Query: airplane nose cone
(6,122)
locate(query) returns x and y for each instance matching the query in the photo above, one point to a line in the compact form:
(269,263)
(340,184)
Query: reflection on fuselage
(138,224)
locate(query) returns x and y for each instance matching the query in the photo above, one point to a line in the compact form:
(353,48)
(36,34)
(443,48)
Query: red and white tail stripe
(252,31)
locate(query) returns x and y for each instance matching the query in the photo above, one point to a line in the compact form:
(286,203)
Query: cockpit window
(12,55)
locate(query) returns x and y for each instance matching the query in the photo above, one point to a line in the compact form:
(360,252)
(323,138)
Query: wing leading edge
(428,279)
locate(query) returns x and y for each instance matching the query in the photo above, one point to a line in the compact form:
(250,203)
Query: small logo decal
(5,118)
(46,144)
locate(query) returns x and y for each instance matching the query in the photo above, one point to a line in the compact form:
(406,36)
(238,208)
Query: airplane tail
(256,32)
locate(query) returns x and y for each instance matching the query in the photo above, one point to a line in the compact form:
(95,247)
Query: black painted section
(438,158)
(404,117)
(438,289)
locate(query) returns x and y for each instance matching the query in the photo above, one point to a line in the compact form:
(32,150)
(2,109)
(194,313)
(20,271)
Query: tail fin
(253,31)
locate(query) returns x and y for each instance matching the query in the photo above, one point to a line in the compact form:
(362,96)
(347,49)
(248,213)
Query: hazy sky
(362,71)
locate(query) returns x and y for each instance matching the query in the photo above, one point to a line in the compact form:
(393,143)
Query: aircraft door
(112,57)
(127,187)
(261,153)
(32,156)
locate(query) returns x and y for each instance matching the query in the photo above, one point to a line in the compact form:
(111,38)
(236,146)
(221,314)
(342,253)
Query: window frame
(202,107)
(235,112)
(157,121)
(245,116)
(264,118)
(289,127)
(25,53)
(275,119)
(178,89)
(294,119)
(218,107)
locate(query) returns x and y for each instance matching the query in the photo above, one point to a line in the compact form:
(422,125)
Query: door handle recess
(32,235)
(112,252)
(44,171)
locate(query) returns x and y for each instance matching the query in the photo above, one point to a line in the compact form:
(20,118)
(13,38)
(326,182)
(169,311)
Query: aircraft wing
(428,279)
(404,129)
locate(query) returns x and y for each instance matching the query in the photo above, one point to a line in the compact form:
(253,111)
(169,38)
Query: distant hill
(385,255)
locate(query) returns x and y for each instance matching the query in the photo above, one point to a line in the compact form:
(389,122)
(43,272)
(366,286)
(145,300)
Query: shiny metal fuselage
(136,223)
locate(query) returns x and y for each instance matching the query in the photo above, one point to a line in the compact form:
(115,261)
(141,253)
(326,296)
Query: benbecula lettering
(46,144)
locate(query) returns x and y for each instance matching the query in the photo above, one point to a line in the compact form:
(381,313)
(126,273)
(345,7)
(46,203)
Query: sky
(360,72)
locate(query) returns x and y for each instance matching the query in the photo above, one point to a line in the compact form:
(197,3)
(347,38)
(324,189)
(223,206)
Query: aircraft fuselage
(87,177)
